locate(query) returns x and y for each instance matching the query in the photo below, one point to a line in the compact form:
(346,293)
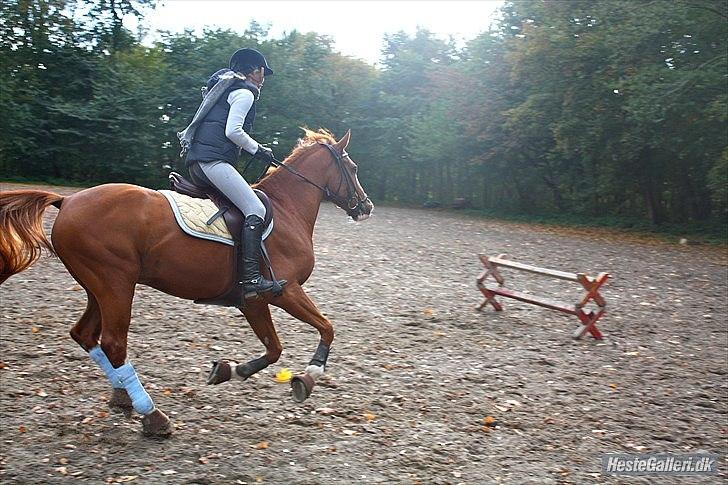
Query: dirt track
(413,372)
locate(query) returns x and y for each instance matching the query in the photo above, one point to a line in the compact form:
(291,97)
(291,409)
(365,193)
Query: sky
(356,26)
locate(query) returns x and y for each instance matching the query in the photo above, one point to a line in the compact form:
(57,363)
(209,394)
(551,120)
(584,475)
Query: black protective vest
(210,142)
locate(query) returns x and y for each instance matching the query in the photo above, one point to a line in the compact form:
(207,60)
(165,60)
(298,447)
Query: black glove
(265,154)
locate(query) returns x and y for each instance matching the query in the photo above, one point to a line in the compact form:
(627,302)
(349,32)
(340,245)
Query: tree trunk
(448,183)
(555,192)
(116,28)
(653,203)
(650,186)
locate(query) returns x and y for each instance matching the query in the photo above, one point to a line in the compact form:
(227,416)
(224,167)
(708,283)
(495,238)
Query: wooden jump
(590,285)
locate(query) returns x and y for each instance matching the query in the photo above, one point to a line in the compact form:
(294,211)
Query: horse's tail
(21,228)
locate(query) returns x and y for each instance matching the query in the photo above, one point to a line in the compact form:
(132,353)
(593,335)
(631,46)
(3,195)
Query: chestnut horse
(114,236)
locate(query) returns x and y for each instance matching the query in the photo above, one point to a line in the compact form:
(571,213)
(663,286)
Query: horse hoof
(157,423)
(221,372)
(120,402)
(302,385)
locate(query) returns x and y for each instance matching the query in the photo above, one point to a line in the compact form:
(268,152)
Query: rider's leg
(231,184)
(253,282)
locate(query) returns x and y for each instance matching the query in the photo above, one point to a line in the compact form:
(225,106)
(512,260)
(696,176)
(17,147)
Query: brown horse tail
(21,228)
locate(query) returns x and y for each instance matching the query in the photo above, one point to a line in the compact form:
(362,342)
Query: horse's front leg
(258,315)
(297,303)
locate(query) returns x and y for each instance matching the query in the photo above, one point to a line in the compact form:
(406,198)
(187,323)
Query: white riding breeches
(233,186)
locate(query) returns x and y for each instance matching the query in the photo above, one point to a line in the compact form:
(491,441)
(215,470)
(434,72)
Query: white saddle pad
(192,215)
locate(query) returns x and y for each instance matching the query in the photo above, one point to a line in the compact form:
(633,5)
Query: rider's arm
(240,102)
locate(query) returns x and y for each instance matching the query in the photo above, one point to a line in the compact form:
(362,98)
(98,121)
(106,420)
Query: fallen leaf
(22,429)
(488,420)
(3,365)
(613,386)
(35,329)
(87,420)
(167,391)
(63,461)
(74,288)
(102,414)
(428,311)
(62,470)
(204,460)
(260,446)
(369,416)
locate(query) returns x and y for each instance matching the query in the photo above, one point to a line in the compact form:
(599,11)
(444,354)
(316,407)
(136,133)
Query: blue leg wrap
(141,401)
(98,356)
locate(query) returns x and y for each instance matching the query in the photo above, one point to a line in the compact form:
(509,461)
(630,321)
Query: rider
(221,130)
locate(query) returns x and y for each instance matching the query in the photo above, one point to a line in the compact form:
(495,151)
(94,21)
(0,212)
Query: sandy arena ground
(412,375)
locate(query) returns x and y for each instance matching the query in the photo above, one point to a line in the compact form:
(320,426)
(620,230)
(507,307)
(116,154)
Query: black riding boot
(253,282)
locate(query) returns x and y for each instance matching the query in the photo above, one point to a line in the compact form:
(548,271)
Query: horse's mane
(310,138)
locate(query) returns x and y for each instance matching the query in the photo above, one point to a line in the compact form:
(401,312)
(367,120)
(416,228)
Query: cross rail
(590,285)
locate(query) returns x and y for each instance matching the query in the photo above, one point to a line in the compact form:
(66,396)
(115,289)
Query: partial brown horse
(115,236)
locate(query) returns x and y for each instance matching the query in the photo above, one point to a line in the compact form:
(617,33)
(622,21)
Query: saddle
(234,219)
(232,216)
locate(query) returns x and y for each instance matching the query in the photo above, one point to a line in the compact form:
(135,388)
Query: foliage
(604,110)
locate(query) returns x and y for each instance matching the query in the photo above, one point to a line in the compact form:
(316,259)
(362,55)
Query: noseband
(352,203)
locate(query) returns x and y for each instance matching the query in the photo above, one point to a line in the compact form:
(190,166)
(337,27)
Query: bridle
(352,203)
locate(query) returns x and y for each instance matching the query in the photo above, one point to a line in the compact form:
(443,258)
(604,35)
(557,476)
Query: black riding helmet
(247,60)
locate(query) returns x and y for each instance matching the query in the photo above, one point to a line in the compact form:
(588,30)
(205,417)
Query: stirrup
(276,287)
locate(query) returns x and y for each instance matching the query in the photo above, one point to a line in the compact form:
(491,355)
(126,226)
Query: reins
(278,163)
(340,201)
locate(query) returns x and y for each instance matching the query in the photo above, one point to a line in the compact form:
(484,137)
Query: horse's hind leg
(108,315)
(86,333)
(115,303)
(297,303)
(259,318)
(87,330)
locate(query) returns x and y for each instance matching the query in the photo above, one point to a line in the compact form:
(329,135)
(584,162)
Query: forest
(609,111)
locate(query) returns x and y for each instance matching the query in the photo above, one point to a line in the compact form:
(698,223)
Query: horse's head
(321,161)
(342,186)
